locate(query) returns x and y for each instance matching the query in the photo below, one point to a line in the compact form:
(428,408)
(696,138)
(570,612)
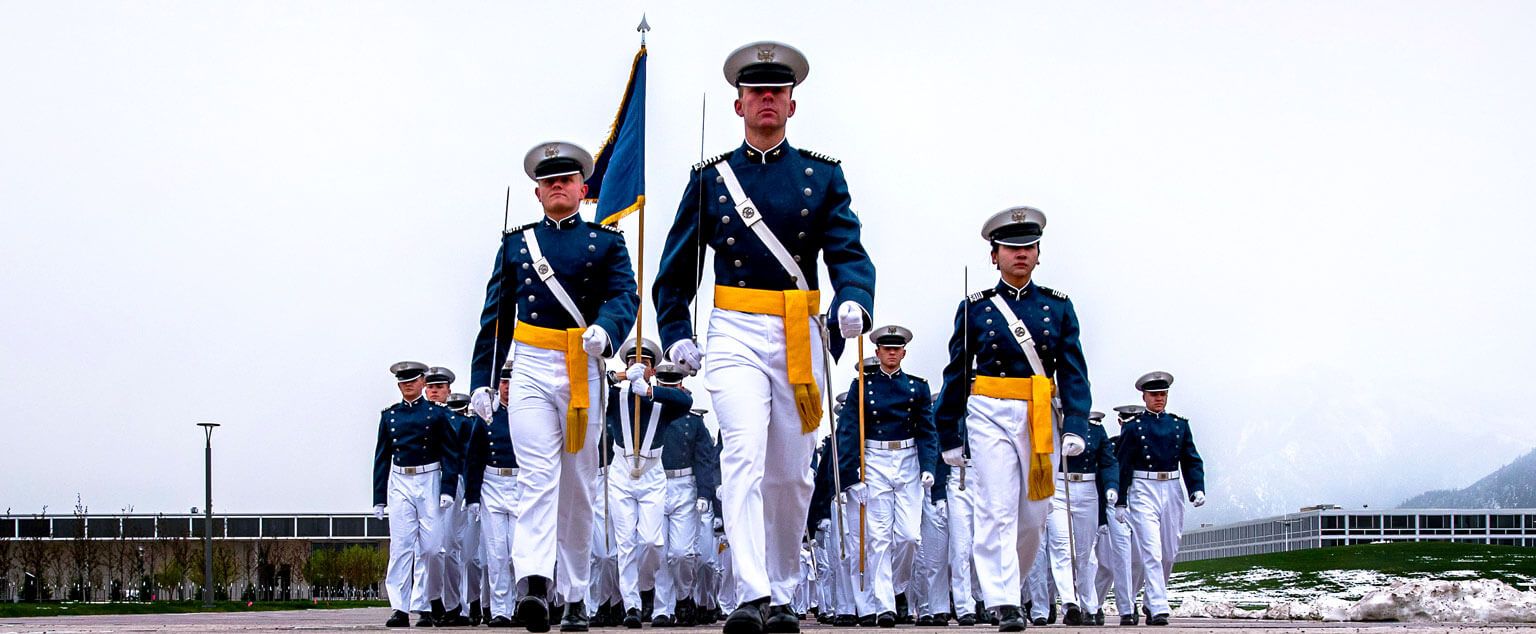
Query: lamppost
(208,513)
(1287,523)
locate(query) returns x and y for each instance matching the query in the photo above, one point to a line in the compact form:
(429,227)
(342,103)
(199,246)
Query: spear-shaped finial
(644,26)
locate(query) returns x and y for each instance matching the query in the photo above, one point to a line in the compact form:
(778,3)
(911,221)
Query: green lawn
(19,610)
(1349,571)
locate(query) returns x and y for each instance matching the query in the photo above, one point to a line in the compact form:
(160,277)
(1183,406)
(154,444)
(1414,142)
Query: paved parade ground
(371,619)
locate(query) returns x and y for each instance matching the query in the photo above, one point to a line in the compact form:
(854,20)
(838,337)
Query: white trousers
(962,528)
(472,540)
(1084,514)
(929,591)
(1037,584)
(894,511)
(413,578)
(1118,565)
(498,521)
(707,576)
(842,560)
(767,494)
(1008,524)
(605,549)
(555,487)
(675,579)
(635,508)
(1157,521)
(455,520)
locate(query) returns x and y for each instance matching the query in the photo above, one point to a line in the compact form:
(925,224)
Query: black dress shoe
(685,613)
(1098,617)
(1130,619)
(1071,614)
(439,614)
(398,619)
(886,619)
(426,620)
(575,617)
(868,620)
(747,618)
(632,619)
(845,620)
(968,620)
(485,615)
(1039,621)
(1146,610)
(925,620)
(1009,619)
(534,613)
(499,621)
(474,613)
(781,619)
(1158,619)
(1050,617)
(662,620)
(454,618)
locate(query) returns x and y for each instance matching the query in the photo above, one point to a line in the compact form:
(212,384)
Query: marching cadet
(638,488)
(901,449)
(412,462)
(456,521)
(1023,339)
(686,453)
(1157,449)
(604,591)
(1115,549)
(828,511)
(491,491)
(929,592)
(1088,477)
(770,212)
(561,294)
(476,589)
(1039,592)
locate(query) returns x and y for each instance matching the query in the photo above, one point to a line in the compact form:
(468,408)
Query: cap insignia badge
(1018,216)
(765,54)
(551,151)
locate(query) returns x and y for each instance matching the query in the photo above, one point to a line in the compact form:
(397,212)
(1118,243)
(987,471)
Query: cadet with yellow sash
(1019,342)
(561,295)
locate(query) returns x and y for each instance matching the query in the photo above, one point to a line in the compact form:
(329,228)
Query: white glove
(1122,515)
(1198,498)
(378,511)
(686,355)
(484,402)
(940,506)
(445,501)
(702,505)
(927,480)
(474,511)
(720,492)
(1072,444)
(637,383)
(717,524)
(824,526)
(955,457)
(850,320)
(858,492)
(1110,497)
(595,341)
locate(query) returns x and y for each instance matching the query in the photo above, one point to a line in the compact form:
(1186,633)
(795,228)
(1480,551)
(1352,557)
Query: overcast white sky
(1314,214)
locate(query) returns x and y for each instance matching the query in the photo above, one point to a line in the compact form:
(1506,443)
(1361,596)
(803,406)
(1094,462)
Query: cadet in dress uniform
(1157,450)
(770,212)
(826,515)
(929,592)
(687,451)
(456,521)
(561,295)
(414,478)
(901,449)
(960,522)
(1091,476)
(491,490)
(638,484)
(476,589)
(1115,548)
(1023,340)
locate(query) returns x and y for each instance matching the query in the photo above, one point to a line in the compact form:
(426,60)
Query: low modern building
(1326,525)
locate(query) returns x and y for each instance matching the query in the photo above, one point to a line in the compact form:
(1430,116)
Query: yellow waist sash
(569,342)
(1037,391)
(796,307)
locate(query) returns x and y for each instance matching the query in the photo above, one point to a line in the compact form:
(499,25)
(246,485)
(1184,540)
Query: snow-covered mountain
(1512,486)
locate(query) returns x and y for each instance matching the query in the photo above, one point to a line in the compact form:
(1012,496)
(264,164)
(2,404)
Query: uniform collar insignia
(1007,290)
(413,403)
(568,222)
(765,156)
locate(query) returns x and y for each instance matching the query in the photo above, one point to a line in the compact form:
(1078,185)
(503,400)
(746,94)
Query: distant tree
(84,555)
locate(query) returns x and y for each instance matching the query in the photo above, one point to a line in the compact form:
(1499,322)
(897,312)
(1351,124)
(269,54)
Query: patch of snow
(1480,600)
(1194,608)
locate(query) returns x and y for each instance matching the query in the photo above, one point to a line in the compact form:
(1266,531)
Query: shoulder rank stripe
(699,166)
(1053,292)
(609,228)
(917,378)
(812,154)
(981,295)
(521,228)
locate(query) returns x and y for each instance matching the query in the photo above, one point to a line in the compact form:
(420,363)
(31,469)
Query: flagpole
(640,283)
